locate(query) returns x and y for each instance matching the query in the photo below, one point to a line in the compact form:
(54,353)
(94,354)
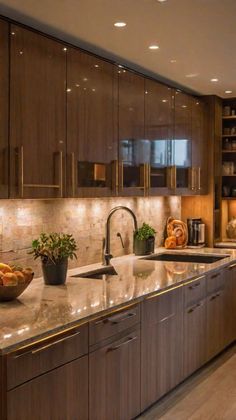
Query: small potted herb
(54,249)
(144,240)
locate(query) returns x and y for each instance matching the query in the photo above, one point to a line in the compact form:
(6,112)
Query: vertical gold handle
(21,172)
(192,178)
(168,176)
(115,176)
(173,176)
(73,174)
(121,175)
(143,175)
(148,176)
(61,174)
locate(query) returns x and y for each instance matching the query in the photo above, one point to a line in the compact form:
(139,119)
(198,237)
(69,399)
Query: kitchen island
(78,351)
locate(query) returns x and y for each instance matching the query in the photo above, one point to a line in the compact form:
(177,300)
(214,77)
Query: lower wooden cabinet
(162,345)
(61,394)
(194,337)
(230,304)
(114,379)
(215,323)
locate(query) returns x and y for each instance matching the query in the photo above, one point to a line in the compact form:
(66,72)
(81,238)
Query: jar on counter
(226,111)
(227,168)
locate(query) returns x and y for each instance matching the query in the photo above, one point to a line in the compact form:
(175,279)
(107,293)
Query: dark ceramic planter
(55,274)
(144,247)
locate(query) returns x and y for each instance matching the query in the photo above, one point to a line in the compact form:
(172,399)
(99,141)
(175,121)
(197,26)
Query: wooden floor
(210,394)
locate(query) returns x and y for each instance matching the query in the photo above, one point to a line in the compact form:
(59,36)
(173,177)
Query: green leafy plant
(144,232)
(54,247)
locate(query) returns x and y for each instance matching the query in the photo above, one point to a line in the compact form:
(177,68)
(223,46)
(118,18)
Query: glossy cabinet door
(216,307)
(198,175)
(162,345)
(92,151)
(134,149)
(37,115)
(4,88)
(159,132)
(59,394)
(114,379)
(230,304)
(181,153)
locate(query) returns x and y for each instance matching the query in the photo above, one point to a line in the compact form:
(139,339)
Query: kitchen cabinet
(92,150)
(194,325)
(37,115)
(198,174)
(181,153)
(230,304)
(4,88)
(59,394)
(134,149)
(114,378)
(162,345)
(215,327)
(159,132)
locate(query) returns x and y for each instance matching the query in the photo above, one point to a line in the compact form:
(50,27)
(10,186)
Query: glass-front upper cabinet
(134,149)
(92,152)
(181,153)
(159,131)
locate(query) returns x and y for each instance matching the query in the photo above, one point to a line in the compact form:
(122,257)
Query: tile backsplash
(21,221)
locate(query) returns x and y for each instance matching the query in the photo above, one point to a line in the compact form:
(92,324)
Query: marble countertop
(42,310)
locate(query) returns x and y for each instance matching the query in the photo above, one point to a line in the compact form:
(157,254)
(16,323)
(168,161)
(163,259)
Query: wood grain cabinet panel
(133,147)
(61,394)
(92,149)
(4,89)
(114,379)
(230,304)
(162,345)
(37,115)
(215,334)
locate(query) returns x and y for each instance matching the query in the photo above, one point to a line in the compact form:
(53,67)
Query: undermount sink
(100,273)
(193,258)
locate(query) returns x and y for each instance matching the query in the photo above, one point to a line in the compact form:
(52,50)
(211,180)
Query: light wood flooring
(210,394)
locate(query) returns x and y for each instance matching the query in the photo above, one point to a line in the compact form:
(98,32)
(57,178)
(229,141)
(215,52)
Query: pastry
(170,242)
(9,279)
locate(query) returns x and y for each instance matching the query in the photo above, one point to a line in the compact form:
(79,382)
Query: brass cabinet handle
(198,169)
(115,176)
(192,178)
(123,344)
(148,176)
(73,174)
(23,185)
(116,319)
(232,266)
(192,309)
(194,286)
(143,182)
(172,177)
(121,175)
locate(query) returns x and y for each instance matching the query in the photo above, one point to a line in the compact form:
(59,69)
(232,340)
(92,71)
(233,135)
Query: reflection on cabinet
(114,379)
(134,149)
(198,181)
(59,394)
(91,130)
(4,84)
(37,115)
(162,345)
(159,130)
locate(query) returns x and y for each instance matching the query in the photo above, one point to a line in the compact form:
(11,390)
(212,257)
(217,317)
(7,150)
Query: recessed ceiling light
(153,47)
(64,49)
(120,24)
(214,79)
(190,75)
(161,1)
(96,65)
(120,66)
(173,60)
(164,100)
(68,89)
(228,91)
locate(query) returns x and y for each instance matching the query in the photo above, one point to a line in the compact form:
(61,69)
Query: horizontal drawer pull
(166,318)
(215,275)
(232,266)
(192,309)
(215,296)
(123,344)
(47,346)
(117,319)
(194,286)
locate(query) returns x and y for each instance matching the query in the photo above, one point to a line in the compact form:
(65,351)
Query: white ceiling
(199,34)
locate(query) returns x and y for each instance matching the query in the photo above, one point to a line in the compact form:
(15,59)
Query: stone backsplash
(21,221)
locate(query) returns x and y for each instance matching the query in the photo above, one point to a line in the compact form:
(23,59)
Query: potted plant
(54,249)
(144,240)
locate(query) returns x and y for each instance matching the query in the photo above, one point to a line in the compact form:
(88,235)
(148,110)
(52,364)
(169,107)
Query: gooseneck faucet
(107,251)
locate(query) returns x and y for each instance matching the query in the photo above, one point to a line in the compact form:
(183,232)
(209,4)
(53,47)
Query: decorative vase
(55,273)
(231,228)
(145,246)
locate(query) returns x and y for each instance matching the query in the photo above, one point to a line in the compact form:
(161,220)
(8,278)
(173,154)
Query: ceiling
(196,38)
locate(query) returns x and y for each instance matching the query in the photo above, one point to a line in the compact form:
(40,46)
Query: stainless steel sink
(100,273)
(193,258)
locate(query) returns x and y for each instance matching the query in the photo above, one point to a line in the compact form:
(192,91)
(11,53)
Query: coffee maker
(196,233)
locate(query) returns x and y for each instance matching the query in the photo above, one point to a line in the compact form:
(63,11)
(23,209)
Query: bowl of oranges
(13,281)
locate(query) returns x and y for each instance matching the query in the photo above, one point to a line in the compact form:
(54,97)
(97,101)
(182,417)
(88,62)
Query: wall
(23,220)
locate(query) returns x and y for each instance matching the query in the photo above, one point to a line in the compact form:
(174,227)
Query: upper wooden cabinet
(4,87)
(37,115)
(133,147)
(92,150)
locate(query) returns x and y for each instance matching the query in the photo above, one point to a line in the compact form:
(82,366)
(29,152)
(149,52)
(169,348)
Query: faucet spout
(107,252)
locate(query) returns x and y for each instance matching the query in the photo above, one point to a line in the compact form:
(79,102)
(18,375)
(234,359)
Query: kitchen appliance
(196,233)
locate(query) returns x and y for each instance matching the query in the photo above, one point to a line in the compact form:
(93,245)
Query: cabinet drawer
(27,364)
(194,290)
(110,325)
(215,282)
